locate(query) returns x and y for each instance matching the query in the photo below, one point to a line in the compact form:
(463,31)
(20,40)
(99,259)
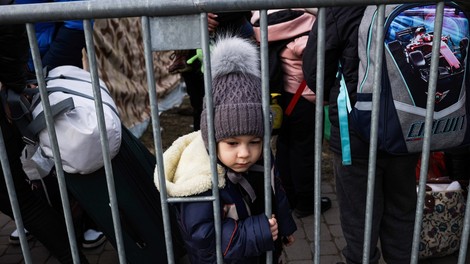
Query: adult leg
(282,156)
(297,154)
(351,189)
(194,80)
(399,188)
(457,163)
(40,220)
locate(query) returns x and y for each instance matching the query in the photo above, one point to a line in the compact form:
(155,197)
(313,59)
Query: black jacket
(235,22)
(13,56)
(341,44)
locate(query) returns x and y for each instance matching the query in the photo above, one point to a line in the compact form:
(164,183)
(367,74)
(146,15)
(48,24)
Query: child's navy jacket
(246,234)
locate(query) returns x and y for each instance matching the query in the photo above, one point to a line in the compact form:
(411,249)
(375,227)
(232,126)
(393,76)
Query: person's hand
(288,240)
(212,22)
(273,227)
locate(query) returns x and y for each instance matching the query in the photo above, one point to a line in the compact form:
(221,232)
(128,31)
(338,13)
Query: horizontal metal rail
(136,8)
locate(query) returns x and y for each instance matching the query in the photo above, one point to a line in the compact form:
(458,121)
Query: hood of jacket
(187,167)
(287,29)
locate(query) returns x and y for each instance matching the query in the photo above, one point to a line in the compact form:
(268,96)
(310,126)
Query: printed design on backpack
(410,42)
(409,36)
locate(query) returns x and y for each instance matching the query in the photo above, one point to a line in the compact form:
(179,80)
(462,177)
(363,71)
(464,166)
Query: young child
(238,125)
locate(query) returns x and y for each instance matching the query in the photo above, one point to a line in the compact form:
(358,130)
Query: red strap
(296,97)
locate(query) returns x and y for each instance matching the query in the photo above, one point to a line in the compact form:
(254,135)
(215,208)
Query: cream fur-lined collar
(187,167)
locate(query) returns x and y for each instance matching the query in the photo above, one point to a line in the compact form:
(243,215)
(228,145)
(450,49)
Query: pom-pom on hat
(236,90)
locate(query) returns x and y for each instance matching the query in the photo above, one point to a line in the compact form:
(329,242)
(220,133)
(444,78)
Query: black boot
(304,212)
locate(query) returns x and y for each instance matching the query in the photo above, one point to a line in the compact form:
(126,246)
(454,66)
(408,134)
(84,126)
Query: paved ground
(300,253)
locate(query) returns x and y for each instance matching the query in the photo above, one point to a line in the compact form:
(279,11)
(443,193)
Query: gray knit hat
(236,90)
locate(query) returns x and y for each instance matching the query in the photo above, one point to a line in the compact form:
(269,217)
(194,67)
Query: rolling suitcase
(138,202)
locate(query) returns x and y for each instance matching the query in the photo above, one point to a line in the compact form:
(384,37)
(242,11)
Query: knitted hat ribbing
(236,90)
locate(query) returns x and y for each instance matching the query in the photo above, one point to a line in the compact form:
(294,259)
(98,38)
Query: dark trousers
(458,163)
(194,80)
(394,207)
(295,153)
(41,220)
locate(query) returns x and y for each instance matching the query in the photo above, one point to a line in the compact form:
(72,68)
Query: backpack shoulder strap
(39,123)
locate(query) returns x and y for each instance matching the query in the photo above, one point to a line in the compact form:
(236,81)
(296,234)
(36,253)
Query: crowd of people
(247,232)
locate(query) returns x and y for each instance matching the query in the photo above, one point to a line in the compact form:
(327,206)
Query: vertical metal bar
(104,139)
(436,45)
(321,18)
(465,232)
(53,139)
(210,131)
(379,40)
(14,200)
(157,139)
(265,99)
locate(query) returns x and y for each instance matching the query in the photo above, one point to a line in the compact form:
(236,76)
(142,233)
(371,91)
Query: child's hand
(288,240)
(273,226)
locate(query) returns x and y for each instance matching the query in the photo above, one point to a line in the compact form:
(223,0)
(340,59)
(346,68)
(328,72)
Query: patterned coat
(120,57)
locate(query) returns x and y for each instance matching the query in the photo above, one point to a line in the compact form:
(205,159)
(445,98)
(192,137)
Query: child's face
(240,153)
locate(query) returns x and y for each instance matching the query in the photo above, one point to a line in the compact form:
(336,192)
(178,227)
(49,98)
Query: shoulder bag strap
(296,98)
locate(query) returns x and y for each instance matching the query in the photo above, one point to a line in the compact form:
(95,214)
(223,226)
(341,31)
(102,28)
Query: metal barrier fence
(159,17)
